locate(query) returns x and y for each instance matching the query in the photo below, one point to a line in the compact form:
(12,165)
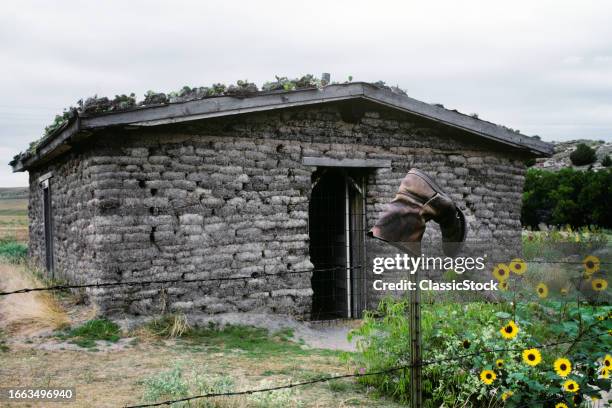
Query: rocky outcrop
(561,157)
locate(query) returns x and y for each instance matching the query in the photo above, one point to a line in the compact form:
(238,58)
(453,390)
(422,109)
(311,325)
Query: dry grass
(27,313)
(14,219)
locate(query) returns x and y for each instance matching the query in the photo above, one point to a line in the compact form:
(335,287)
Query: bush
(606,161)
(583,155)
(452,330)
(567,197)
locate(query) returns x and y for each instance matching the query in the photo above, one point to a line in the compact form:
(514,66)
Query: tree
(583,155)
(569,196)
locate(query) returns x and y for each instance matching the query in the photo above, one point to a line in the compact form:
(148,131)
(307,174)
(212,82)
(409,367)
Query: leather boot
(419,200)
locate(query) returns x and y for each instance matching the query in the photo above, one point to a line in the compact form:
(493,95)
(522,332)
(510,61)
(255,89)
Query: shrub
(452,330)
(583,155)
(606,161)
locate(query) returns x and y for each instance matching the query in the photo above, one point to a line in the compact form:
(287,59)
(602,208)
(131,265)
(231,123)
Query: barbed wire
(254,275)
(578,339)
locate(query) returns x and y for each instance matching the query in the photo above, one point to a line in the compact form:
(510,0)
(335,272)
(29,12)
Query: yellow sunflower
(561,405)
(607,361)
(591,264)
(499,363)
(507,395)
(571,386)
(562,367)
(605,372)
(487,376)
(503,286)
(542,290)
(501,272)
(532,357)
(509,331)
(518,266)
(599,284)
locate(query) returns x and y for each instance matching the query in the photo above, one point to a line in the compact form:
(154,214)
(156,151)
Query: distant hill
(560,159)
(13,192)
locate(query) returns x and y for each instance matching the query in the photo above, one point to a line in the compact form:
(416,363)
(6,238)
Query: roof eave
(230,105)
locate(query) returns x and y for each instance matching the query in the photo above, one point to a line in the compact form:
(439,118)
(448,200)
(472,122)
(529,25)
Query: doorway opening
(336,229)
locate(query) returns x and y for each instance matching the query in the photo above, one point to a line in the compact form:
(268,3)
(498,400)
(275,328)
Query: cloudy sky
(544,67)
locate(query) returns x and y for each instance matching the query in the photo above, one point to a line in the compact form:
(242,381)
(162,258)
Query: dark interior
(328,245)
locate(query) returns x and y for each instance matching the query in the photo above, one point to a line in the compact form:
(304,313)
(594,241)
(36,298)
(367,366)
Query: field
(13,214)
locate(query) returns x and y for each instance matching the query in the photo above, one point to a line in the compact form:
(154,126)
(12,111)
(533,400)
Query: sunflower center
(607,363)
(563,367)
(488,376)
(570,386)
(508,329)
(540,290)
(501,272)
(598,284)
(531,357)
(590,264)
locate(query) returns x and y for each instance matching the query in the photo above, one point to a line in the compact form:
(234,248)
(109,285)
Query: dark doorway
(48,225)
(336,220)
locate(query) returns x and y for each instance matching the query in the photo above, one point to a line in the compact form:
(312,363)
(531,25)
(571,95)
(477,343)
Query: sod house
(278,187)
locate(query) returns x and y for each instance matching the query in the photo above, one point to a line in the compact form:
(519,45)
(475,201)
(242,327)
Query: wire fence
(257,275)
(578,339)
(254,275)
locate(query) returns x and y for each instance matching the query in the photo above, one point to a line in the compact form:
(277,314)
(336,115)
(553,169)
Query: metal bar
(347,233)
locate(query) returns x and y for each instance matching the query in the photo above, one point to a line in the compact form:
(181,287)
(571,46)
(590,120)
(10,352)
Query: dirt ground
(111,374)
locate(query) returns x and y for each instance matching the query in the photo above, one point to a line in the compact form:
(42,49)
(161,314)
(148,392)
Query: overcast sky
(544,67)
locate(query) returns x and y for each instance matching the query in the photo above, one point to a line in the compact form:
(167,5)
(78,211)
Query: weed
(174,384)
(338,386)
(87,334)
(170,325)
(274,399)
(12,250)
(3,347)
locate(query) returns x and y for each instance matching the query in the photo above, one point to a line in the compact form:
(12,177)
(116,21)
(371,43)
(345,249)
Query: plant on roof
(59,121)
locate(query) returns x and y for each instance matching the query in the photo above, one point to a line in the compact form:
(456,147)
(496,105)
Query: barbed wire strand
(254,275)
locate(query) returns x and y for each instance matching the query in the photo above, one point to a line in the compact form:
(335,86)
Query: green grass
(87,334)
(253,342)
(12,250)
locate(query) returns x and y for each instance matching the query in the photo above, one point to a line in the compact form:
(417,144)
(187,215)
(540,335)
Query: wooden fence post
(416,396)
